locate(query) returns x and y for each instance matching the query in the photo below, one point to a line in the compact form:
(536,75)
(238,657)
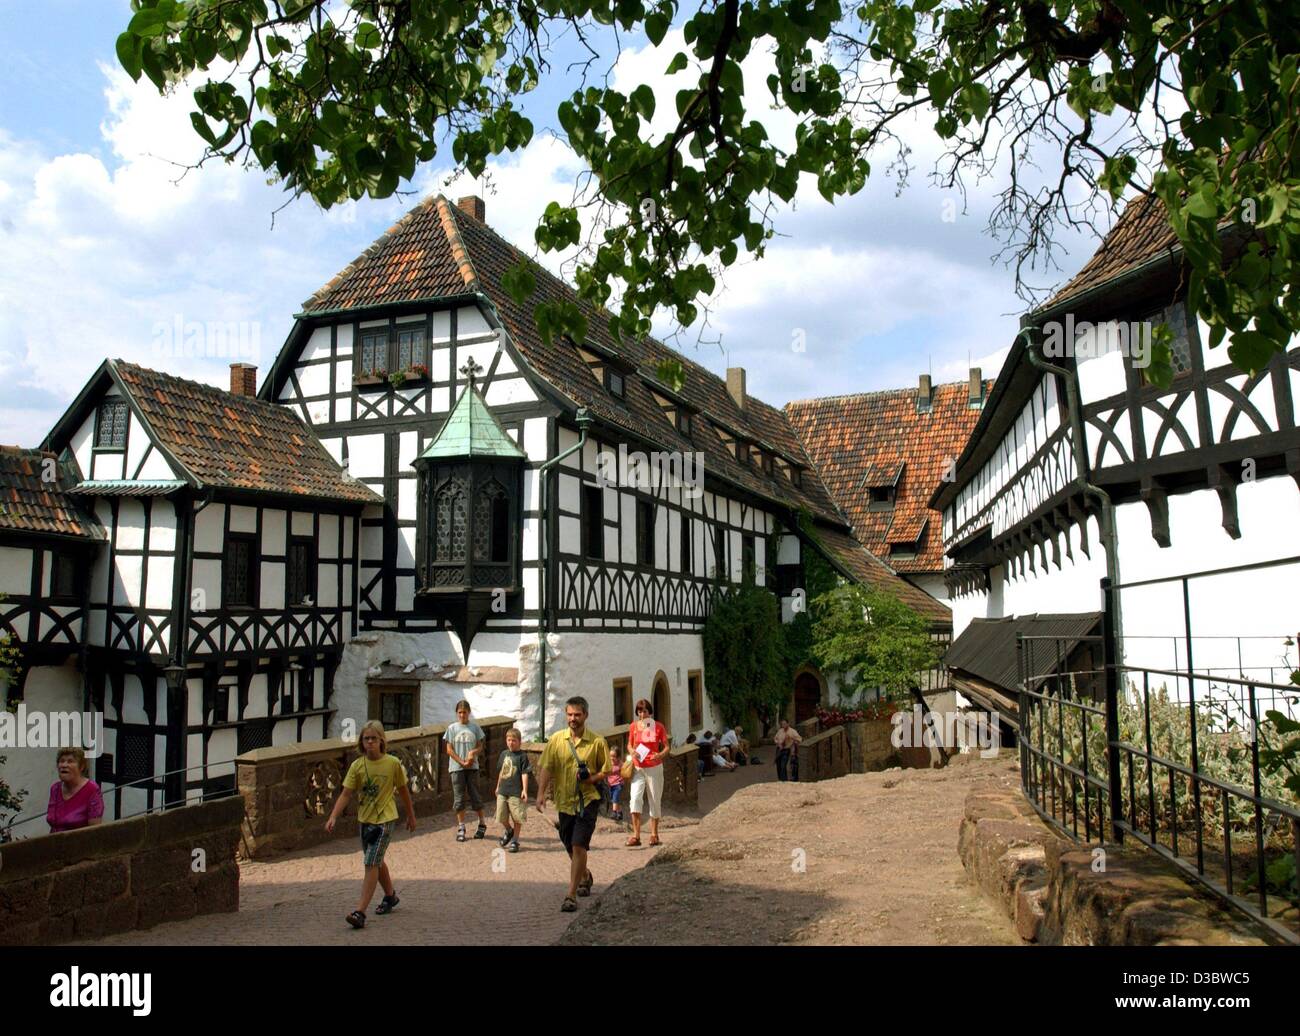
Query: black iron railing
(1169,757)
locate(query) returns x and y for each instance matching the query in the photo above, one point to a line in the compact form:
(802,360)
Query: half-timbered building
(48,544)
(1081,468)
(556,514)
(218,608)
(424,501)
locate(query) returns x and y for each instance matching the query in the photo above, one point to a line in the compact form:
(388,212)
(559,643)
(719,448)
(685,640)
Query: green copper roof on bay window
(472,430)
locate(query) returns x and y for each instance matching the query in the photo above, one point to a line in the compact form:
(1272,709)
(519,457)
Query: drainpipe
(584,420)
(1109,538)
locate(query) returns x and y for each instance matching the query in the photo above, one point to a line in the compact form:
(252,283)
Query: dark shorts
(462,782)
(577,828)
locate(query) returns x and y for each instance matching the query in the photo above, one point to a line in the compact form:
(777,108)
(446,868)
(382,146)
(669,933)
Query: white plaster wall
(577,664)
(15,570)
(47,689)
(1075,587)
(1259,606)
(588,663)
(932,584)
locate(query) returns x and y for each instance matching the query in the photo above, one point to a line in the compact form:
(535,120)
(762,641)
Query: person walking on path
(787,745)
(575,760)
(513,772)
(465,743)
(647,744)
(375,777)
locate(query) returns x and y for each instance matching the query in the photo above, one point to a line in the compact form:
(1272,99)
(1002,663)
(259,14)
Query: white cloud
(100,247)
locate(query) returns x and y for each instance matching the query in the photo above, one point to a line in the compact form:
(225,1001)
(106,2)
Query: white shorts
(648,784)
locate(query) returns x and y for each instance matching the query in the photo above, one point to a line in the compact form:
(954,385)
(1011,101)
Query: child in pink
(614,782)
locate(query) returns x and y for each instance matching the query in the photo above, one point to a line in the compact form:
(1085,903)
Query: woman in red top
(75,800)
(647,745)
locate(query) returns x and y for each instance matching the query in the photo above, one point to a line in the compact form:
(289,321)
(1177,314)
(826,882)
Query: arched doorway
(661,699)
(807,696)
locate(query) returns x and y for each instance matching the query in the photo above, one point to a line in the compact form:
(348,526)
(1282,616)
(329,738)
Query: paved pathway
(447,888)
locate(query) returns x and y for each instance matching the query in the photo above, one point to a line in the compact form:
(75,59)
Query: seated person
(733,746)
(722,762)
(704,764)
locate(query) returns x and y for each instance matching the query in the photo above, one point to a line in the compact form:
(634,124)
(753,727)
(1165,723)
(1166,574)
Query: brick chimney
(243,379)
(924,396)
(976,393)
(736,385)
(473,204)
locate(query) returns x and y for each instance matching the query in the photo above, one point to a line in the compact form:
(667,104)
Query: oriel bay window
(469,517)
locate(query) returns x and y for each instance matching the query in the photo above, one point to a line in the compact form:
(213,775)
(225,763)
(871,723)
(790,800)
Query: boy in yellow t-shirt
(375,777)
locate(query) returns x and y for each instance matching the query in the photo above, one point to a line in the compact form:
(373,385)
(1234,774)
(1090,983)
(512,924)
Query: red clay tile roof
(870,571)
(412,259)
(30,504)
(860,441)
(237,442)
(1142,232)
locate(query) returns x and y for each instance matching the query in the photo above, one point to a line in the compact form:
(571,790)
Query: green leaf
(671,373)
(128,53)
(676,64)
(656,27)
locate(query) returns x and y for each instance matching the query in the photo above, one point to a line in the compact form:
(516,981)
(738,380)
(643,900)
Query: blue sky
(105,248)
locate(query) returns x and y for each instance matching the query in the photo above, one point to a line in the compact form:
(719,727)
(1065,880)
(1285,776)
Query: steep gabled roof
(859,563)
(412,259)
(29,504)
(1141,233)
(878,439)
(226,441)
(438,250)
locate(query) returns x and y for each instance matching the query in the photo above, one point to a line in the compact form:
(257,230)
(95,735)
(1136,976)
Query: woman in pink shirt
(647,744)
(75,800)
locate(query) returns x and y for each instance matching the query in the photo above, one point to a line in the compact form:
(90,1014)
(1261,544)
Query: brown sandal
(654,840)
(633,841)
(569,905)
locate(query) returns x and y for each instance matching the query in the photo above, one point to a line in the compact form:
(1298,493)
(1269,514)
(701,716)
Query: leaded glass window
(238,572)
(374,352)
(110,430)
(491,522)
(450,520)
(410,347)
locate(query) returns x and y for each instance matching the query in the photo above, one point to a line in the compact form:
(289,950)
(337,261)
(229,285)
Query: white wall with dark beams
(1220,428)
(377,431)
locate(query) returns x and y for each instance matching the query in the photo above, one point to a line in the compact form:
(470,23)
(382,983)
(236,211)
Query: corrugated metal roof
(126,487)
(987,647)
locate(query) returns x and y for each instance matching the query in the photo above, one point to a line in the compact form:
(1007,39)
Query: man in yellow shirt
(576,761)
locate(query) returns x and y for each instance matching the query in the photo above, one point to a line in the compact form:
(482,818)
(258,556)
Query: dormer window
(881,498)
(110,425)
(742,452)
(766,461)
(796,475)
(615,382)
(903,551)
(684,422)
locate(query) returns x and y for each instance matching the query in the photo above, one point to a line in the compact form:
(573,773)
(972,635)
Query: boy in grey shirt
(465,742)
(513,772)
